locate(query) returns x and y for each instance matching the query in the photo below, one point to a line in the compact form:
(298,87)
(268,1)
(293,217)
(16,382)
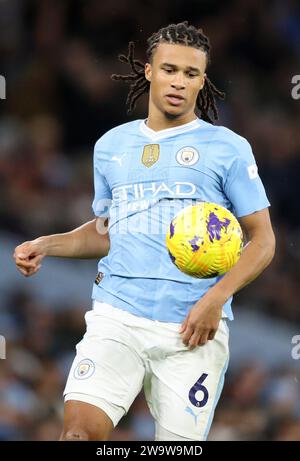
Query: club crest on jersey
(150,154)
(187,156)
(84,369)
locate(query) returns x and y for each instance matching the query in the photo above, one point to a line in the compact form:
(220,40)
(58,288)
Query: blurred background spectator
(57,57)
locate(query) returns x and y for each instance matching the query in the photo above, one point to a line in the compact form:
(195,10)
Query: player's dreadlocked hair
(182,34)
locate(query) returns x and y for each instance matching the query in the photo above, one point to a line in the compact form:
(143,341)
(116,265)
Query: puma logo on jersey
(118,159)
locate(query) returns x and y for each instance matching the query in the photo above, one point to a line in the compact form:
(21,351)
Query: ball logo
(85,369)
(187,156)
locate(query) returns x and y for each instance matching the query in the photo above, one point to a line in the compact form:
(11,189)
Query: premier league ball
(204,240)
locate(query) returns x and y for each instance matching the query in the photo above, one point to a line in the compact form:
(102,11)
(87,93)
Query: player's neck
(158,121)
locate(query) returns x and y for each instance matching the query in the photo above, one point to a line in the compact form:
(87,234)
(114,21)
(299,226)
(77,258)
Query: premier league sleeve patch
(252,171)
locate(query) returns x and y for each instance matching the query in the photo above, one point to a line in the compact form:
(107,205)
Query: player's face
(177,74)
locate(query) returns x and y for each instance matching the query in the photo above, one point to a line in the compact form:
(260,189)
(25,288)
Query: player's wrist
(216,296)
(44,244)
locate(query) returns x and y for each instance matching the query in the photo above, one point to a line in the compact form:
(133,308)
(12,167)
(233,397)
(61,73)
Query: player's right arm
(84,242)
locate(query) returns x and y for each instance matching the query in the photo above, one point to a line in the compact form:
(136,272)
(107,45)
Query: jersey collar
(167,132)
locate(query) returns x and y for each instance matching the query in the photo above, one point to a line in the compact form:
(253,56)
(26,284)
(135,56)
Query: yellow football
(204,240)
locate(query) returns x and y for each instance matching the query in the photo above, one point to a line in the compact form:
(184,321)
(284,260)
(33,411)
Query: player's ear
(203,81)
(148,71)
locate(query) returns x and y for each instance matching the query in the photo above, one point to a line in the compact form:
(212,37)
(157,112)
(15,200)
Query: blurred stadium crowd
(57,57)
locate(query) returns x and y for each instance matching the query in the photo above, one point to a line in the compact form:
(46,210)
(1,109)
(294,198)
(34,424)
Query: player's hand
(202,322)
(28,256)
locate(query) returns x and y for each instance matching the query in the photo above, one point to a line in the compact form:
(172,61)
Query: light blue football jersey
(142,179)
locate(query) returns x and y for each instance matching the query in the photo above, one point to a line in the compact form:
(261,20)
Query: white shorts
(120,353)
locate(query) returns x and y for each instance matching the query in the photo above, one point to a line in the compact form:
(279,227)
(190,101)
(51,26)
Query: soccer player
(152,326)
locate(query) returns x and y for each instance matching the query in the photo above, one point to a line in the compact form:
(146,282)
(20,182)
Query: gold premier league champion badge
(150,154)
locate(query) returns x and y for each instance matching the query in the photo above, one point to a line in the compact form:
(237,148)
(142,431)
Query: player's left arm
(203,319)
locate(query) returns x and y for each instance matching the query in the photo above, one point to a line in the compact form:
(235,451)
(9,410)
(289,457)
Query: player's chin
(172,112)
